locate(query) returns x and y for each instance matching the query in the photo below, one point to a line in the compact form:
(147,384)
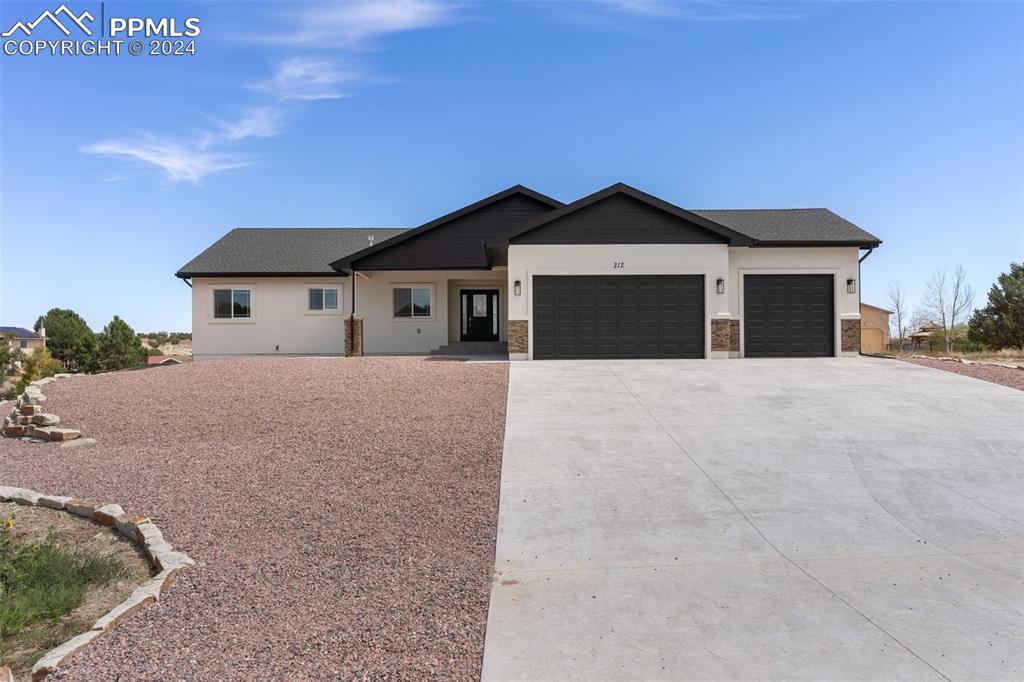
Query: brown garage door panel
(618,316)
(788,316)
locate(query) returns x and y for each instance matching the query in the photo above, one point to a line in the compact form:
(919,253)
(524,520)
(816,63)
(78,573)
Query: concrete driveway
(758,519)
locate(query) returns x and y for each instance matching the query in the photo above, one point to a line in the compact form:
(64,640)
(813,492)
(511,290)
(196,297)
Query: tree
(949,300)
(900,312)
(40,364)
(8,358)
(119,347)
(69,339)
(1000,324)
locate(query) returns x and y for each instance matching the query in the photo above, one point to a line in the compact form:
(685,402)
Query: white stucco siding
(281,322)
(712,261)
(527,260)
(841,262)
(383,333)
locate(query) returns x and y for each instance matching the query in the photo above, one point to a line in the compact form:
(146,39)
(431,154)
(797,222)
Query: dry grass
(1007,355)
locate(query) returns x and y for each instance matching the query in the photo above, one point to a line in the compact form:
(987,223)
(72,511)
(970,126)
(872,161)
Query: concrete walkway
(758,519)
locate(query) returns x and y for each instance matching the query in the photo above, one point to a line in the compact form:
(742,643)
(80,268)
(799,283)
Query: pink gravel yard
(1005,376)
(342,512)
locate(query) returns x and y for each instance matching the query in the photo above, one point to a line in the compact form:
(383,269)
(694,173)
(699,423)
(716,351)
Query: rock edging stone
(28,421)
(965,361)
(138,530)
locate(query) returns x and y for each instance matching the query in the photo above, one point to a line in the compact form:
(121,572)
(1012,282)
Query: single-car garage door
(618,316)
(787,316)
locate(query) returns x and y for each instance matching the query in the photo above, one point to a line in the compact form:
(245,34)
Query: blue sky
(906,118)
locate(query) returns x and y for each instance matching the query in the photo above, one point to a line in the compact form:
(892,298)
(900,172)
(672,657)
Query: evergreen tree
(119,347)
(69,339)
(1000,324)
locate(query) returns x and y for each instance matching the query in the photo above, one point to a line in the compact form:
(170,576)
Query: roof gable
(621,214)
(456,240)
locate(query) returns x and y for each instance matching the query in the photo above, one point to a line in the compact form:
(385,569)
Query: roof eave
(189,275)
(773,243)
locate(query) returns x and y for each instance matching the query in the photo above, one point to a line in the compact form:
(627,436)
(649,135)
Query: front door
(479,314)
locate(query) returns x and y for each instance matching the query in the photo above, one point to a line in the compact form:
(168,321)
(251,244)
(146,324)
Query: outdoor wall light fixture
(720,285)
(518,287)
(851,286)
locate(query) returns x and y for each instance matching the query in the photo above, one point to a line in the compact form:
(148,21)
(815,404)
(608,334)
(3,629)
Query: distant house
(874,328)
(23,339)
(163,360)
(923,332)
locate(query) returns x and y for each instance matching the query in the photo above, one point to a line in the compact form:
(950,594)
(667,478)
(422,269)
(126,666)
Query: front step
(472,348)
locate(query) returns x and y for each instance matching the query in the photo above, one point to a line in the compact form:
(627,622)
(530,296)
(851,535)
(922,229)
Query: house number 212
(618,264)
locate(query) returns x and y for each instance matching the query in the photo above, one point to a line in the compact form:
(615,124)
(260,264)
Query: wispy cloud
(255,122)
(702,10)
(329,29)
(349,24)
(307,79)
(178,161)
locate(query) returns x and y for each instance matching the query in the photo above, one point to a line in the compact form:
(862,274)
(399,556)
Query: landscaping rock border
(29,422)
(965,361)
(138,530)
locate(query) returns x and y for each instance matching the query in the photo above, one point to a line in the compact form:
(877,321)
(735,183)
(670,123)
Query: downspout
(185,280)
(860,287)
(352,314)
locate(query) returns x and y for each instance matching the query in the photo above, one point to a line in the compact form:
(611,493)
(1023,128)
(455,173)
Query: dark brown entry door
(479,314)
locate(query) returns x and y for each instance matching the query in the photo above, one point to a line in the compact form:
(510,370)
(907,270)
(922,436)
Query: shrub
(44,580)
(8,357)
(41,364)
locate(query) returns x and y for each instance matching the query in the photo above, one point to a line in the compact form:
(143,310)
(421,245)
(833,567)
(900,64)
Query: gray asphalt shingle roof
(283,250)
(813,225)
(19,333)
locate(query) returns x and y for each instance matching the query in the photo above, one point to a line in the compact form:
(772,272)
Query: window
(323,299)
(412,302)
(23,344)
(232,304)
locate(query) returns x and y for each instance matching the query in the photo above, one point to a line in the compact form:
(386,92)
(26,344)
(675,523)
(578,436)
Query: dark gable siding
(458,244)
(619,219)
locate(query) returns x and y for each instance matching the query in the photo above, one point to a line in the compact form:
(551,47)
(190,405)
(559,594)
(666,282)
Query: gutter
(860,288)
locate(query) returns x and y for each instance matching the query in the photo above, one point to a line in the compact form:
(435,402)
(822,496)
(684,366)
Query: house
(616,274)
(874,328)
(922,333)
(162,360)
(23,339)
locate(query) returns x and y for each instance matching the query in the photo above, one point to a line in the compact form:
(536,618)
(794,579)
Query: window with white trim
(232,304)
(323,299)
(412,302)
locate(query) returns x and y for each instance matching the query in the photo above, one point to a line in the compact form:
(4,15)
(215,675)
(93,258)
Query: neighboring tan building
(617,274)
(874,328)
(23,339)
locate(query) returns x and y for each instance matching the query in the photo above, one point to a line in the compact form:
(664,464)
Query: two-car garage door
(618,316)
(662,316)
